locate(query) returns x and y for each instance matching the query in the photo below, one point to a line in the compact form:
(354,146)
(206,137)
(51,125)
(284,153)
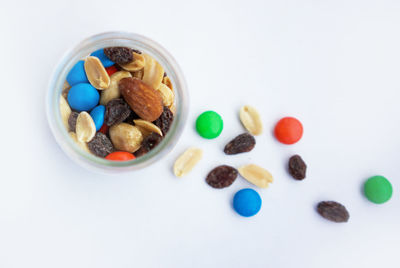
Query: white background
(333,64)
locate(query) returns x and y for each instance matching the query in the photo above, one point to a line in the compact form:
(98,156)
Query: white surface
(333,64)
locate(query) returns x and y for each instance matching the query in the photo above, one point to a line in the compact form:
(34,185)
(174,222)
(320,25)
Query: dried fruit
(120,55)
(137,63)
(333,211)
(85,127)
(186,161)
(65,111)
(256,175)
(167,95)
(221,176)
(148,144)
(125,137)
(241,144)
(297,167)
(112,92)
(117,110)
(144,101)
(148,126)
(166,81)
(153,72)
(165,120)
(72,121)
(82,145)
(251,120)
(96,73)
(100,145)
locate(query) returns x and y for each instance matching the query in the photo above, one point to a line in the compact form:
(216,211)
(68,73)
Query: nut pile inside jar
(117,103)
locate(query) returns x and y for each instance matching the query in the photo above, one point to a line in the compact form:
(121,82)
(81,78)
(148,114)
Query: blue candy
(83,97)
(98,116)
(247,202)
(103,58)
(77,74)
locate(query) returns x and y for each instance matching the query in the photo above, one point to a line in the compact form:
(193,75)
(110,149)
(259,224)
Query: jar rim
(83,49)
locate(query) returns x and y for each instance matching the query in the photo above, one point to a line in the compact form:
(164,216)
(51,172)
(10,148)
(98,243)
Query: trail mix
(117,103)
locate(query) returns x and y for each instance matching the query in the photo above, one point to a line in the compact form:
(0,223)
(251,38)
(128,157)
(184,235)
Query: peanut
(153,72)
(85,127)
(112,92)
(256,175)
(65,111)
(126,137)
(137,63)
(186,162)
(96,73)
(251,120)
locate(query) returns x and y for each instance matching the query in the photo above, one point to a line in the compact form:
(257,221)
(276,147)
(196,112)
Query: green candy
(378,189)
(209,125)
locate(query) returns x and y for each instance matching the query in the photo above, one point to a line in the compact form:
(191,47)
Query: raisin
(72,121)
(132,116)
(222,176)
(241,144)
(120,55)
(100,145)
(117,110)
(165,120)
(136,51)
(148,144)
(297,167)
(333,211)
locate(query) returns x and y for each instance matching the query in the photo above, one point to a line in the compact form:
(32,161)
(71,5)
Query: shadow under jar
(148,48)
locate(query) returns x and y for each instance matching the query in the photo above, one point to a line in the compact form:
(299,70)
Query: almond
(143,100)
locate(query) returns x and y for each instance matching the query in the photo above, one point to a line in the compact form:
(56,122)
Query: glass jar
(83,49)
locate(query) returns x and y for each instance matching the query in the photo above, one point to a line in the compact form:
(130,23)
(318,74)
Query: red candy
(120,156)
(104,129)
(110,70)
(288,130)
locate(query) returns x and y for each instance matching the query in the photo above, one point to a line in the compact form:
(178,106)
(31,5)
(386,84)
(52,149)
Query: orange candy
(288,130)
(120,156)
(104,129)
(110,70)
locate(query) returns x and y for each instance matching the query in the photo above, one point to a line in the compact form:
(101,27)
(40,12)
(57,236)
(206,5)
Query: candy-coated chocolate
(288,130)
(209,125)
(97,114)
(247,202)
(83,97)
(110,70)
(77,74)
(103,58)
(120,156)
(378,189)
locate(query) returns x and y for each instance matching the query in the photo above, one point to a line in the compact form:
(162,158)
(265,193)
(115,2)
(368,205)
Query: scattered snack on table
(251,120)
(247,202)
(256,175)
(378,189)
(186,161)
(241,144)
(288,130)
(222,176)
(209,125)
(297,167)
(333,211)
(116,102)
